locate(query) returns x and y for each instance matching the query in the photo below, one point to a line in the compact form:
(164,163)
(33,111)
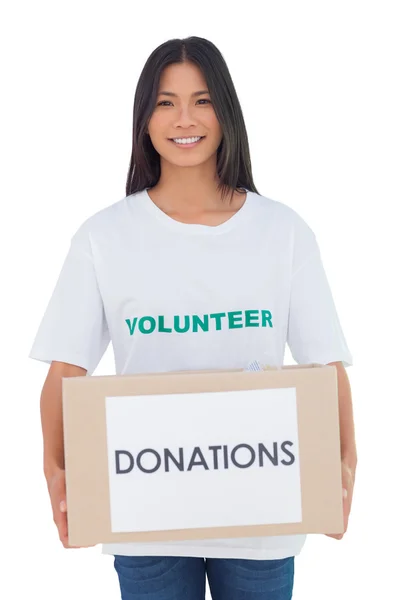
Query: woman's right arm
(53,441)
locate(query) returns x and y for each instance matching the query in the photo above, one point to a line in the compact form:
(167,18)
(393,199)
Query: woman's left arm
(347,442)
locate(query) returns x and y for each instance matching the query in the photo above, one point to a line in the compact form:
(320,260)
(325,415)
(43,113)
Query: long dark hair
(233,155)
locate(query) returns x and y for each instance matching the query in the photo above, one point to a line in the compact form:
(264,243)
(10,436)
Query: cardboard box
(206,454)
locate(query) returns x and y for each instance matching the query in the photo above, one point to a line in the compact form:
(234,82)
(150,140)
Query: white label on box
(194,460)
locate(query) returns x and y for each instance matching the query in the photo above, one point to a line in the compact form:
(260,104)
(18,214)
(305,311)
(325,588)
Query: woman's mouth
(183,144)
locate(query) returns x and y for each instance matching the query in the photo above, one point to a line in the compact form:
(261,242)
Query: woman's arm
(53,441)
(51,415)
(347,433)
(347,443)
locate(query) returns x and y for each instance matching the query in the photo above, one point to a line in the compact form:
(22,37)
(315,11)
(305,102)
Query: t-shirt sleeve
(74,326)
(314,331)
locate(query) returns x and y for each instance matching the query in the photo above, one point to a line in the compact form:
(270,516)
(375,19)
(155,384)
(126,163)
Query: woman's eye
(168,102)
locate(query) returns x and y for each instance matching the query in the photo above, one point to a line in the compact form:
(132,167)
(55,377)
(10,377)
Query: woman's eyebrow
(199,93)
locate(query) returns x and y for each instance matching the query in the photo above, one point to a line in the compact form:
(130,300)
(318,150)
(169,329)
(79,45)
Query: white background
(319,88)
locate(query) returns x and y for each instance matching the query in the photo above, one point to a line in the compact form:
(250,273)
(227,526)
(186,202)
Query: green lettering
(131,325)
(152,322)
(180,329)
(161,326)
(235,319)
(218,318)
(250,317)
(266,316)
(197,322)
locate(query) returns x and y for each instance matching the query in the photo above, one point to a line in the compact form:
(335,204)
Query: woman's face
(184,114)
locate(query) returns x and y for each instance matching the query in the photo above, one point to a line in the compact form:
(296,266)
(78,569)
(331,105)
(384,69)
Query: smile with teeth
(187,141)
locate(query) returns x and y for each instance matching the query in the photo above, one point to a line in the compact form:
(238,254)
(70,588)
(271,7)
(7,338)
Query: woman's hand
(347,486)
(57,491)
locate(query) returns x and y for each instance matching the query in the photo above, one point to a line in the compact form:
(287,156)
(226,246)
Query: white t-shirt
(175,296)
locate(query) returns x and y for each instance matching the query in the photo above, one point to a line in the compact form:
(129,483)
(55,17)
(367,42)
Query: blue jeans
(184,578)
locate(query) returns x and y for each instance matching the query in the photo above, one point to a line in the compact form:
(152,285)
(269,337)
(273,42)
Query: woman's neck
(197,206)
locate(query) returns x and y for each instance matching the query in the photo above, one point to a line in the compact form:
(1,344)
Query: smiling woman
(185,91)
(178,279)
(186,122)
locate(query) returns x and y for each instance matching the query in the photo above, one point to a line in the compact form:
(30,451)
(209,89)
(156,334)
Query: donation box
(202,454)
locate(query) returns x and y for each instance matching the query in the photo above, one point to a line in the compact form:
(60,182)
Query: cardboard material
(87,453)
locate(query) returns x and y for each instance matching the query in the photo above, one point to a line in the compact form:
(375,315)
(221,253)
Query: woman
(192,237)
